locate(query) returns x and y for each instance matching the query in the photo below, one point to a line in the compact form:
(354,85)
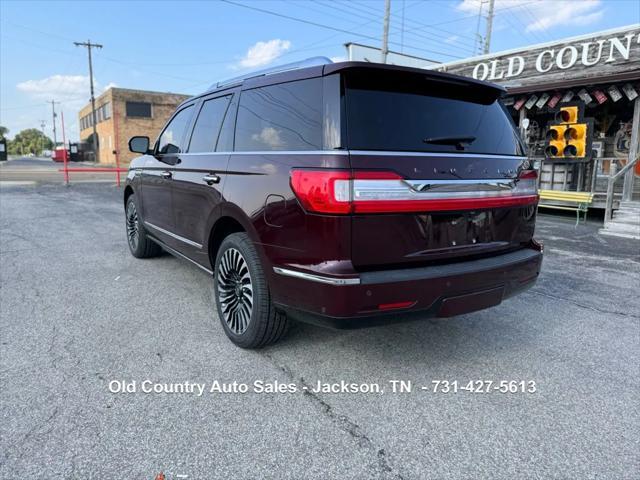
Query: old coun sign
(609,54)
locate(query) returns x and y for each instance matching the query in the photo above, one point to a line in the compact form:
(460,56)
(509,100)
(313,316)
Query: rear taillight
(343,192)
(527,183)
(322,191)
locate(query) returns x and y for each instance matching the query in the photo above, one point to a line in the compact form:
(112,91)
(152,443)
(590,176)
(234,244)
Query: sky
(185,46)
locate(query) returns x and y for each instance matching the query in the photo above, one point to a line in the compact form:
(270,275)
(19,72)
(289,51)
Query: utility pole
(89,46)
(53,111)
(487,40)
(385,34)
(42,125)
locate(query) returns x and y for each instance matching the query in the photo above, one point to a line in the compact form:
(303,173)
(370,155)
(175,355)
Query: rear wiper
(460,142)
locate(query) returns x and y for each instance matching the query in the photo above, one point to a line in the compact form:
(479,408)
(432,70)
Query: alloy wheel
(235,290)
(133,233)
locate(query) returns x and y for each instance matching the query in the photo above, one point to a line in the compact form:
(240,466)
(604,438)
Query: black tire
(245,309)
(140,245)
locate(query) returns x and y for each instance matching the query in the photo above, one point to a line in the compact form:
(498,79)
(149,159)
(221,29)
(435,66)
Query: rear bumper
(380,297)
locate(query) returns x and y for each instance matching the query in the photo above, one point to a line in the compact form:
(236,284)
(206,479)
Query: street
(78,312)
(30,170)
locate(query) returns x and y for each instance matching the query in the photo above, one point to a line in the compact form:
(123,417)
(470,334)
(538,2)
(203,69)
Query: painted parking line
(16,183)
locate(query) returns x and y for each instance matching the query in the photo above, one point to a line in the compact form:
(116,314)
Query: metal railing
(608,210)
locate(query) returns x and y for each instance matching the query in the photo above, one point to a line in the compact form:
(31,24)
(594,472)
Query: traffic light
(567,115)
(576,137)
(555,141)
(569,138)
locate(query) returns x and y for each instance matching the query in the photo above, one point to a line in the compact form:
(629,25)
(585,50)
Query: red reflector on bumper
(395,306)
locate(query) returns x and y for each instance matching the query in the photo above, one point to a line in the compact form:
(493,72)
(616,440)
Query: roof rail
(309,62)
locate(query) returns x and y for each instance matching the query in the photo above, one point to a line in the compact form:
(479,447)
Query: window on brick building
(138,109)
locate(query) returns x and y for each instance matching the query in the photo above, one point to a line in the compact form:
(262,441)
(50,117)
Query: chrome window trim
(317,278)
(361,153)
(173,235)
(272,152)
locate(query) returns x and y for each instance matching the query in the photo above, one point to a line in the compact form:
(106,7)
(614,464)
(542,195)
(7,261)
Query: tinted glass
(207,128)
(415,113)
(287,116)
(333,128)
(138,109)
(171,139)
(225,141)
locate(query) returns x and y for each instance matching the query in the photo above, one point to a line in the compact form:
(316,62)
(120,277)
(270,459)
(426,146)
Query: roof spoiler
(309,62)
(434,74)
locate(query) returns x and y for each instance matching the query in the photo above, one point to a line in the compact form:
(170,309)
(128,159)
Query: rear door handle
(166,174)
(211,179)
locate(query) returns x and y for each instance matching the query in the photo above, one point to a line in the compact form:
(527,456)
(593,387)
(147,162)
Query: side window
(225,142)
(287,116)
(207,128)
(170,141)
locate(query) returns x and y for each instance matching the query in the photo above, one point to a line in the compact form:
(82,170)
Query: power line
(301,20)
(333,8)
(350,9)
(478,43)
(422,36)
(328,27)
(418,24)
(33,105)
(18,107)
(533,17)
(39,31)
(497,12)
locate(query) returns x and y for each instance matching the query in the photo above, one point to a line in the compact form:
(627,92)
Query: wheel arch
(128,191)
(222,228)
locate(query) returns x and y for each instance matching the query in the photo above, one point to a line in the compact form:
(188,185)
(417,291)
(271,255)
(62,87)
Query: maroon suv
(341,194)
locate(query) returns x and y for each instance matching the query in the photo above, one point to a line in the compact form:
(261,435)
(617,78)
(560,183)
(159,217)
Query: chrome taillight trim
(397,189)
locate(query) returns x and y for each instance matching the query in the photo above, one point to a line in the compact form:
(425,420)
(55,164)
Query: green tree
(28,141)
(3,131)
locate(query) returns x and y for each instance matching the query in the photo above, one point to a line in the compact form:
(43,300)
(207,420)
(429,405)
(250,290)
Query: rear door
(200,175)
(436,165)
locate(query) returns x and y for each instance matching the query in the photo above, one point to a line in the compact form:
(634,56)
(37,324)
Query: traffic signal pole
(89,46)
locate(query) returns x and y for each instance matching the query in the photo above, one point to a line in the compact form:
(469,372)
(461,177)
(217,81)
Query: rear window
(409,112)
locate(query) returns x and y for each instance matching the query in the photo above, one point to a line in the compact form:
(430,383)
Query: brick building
(122,113)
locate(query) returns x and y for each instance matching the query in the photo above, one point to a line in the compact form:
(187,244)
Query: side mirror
(139,144)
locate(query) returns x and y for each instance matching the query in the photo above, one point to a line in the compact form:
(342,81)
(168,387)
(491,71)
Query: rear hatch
(439,172)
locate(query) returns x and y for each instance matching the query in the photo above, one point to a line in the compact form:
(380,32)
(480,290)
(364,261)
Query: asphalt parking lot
(77,311)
